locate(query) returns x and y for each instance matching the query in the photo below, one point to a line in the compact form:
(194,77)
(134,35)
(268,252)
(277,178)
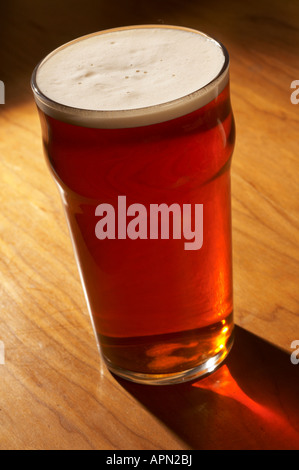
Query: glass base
(200,371)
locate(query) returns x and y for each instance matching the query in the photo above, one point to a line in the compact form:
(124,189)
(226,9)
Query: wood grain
(54,391)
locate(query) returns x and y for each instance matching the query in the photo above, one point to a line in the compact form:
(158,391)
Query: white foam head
(129,77)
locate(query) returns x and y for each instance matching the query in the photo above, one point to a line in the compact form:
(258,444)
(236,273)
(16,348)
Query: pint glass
(146,194)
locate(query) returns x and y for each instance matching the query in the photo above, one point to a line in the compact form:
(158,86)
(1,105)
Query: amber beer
(144,174)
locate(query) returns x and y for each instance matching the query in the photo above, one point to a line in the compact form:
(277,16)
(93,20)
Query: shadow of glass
(250,402)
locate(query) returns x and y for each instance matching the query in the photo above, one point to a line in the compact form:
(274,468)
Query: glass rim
(127,117)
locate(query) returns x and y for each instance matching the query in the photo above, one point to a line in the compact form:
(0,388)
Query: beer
(138,132)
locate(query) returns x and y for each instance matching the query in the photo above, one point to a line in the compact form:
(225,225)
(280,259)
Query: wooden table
(54,391)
